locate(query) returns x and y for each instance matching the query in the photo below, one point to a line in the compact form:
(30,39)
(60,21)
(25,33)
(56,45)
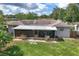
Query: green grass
(64,48)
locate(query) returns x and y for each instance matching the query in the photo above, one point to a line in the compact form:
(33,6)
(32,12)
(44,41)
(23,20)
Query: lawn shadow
(60,39)
(12,51)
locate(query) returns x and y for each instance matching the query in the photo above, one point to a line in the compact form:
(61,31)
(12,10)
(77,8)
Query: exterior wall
(76,28)
(63,32)
(10,29)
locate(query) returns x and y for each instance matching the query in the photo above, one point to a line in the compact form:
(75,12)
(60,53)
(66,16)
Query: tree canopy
(4,35)
(70,14)
(26,16)
(58,13)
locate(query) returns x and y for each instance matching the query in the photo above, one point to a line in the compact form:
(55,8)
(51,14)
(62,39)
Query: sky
(38,8)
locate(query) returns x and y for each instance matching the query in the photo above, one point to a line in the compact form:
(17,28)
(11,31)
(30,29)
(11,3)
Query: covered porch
(34,31)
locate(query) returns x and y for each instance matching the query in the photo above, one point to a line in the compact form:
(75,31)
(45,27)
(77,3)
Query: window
(61,29)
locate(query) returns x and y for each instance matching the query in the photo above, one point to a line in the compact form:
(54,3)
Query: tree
(13,51)
(72,13)
(58,13)
(9,16)
(31,16)
(26,16)
(44,16)
(1,13)
(20,16)
(55,13)
(61,14)
(4,36)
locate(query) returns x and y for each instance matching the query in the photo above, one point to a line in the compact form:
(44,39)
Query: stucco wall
(63,32)
(10,29)
(77,31)
(77,28)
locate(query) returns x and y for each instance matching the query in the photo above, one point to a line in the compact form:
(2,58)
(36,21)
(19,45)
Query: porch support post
(33,33)
(13,33)
(55,35)
(38,33)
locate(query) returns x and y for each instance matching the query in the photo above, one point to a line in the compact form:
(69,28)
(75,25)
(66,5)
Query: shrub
(14,51)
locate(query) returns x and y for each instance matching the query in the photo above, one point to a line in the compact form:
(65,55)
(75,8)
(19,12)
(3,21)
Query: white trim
(34,27)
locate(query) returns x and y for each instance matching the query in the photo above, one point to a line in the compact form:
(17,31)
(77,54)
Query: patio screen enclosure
(32,33)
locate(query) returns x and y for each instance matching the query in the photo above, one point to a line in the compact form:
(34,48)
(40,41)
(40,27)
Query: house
(76,28)
(40,28)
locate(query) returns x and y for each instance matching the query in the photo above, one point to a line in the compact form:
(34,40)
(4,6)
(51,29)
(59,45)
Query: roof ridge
(34,21)
(57,22)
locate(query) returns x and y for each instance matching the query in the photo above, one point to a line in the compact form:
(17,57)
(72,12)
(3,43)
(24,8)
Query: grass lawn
(64,48)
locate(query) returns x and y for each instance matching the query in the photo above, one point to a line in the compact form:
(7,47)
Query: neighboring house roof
(33,27)
(74,24)
(40,22)
(62,24)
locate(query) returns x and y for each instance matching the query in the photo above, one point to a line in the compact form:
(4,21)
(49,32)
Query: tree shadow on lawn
(60,39)
(12,51)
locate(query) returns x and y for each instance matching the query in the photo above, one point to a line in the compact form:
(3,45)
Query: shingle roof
(39,22)
(62,24)
(27,22)
(14,23)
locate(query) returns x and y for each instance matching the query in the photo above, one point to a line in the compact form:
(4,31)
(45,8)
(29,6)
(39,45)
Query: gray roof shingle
(42,22)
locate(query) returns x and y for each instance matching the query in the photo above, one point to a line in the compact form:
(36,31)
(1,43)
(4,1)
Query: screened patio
(34,31)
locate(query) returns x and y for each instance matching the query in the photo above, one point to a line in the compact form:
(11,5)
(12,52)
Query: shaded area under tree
(12,51)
